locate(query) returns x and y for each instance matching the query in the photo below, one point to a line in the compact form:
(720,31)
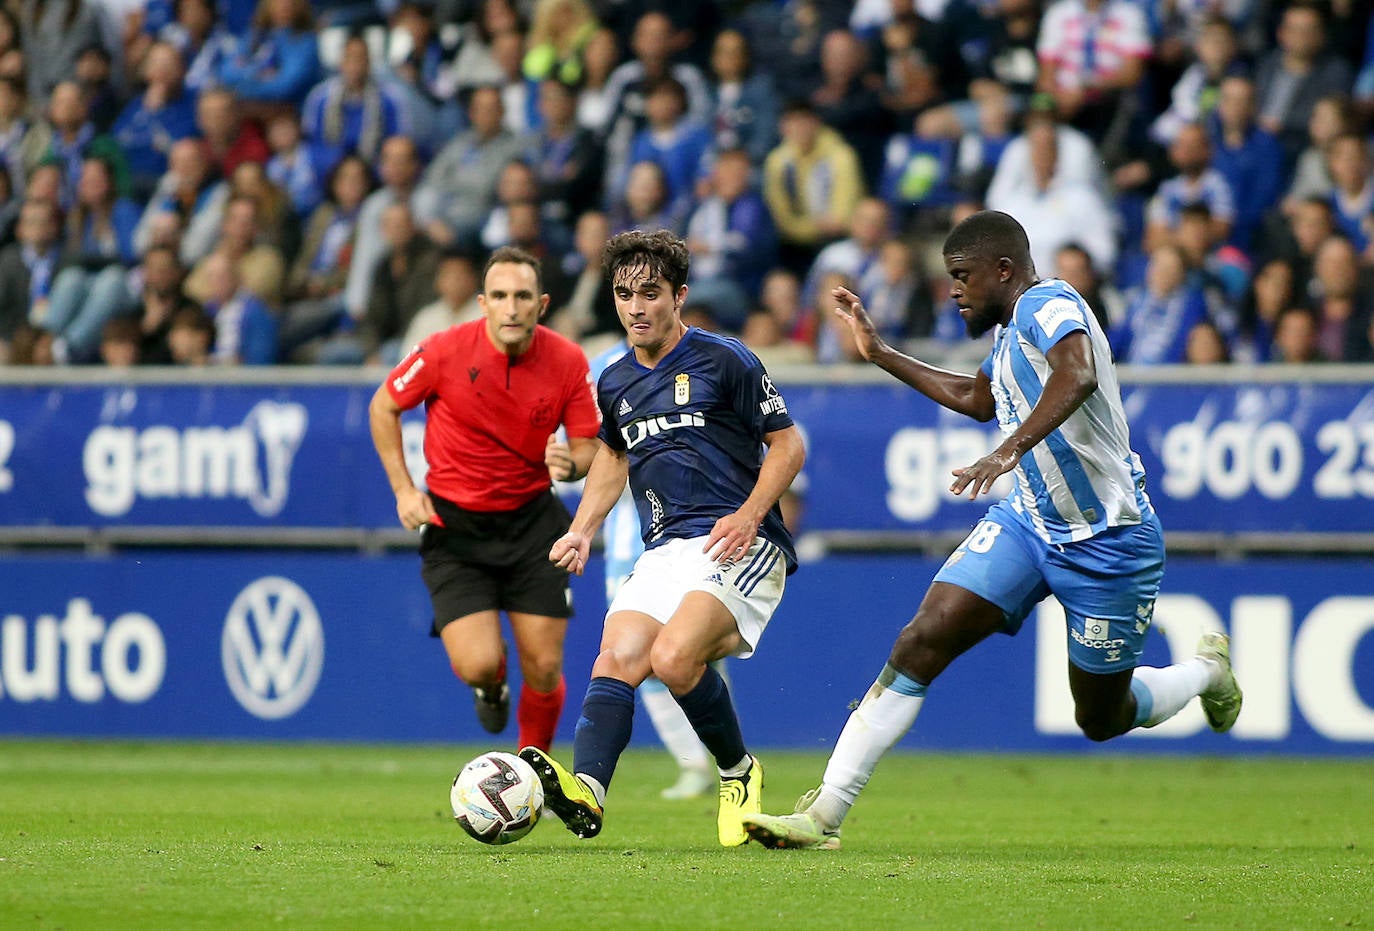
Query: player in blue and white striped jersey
(1077,525)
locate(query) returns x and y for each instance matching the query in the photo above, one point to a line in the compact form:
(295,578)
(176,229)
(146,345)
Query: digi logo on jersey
(637,431)
(250,461)
(272,648)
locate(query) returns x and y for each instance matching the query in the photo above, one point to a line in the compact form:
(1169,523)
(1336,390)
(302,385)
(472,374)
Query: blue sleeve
(124,217)
(752,393)
(293,78)
(1045,323)
(258,341)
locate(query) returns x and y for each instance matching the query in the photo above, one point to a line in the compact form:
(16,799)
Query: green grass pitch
(107,835)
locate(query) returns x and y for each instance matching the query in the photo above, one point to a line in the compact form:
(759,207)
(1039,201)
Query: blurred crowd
(204,182)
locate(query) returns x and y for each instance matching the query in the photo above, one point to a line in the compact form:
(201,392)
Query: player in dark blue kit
(686,416)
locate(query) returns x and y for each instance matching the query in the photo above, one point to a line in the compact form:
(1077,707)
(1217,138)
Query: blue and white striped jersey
(1084,477)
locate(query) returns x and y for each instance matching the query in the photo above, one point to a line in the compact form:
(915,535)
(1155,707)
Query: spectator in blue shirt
(299,168)
(1248,157)
(91,288)
(149,123)
(1197,182)
(279,62)
(672,140)
(352,111)
(1160,314)
(245,330)
(1352,194)
(733,241)
(746,105)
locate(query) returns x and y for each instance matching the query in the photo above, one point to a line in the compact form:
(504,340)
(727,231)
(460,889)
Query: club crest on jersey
(682,388)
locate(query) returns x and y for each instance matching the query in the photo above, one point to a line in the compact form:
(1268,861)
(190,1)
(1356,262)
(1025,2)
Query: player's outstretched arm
(734,533)
(605,481)
(413,507)
(966,394)
(1073,378)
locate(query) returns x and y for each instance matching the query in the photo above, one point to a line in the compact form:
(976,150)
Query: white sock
(597,788)
(1169,689)
(882,718)
(672,726)
(739,770)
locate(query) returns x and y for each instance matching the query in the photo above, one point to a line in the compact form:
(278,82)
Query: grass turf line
(109,835)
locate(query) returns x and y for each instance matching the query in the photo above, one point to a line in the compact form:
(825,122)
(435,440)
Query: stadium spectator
(190,337)
(1341,302)
(1352,193)
(192,194)
(1249,158)
(856,254)
(278,63)
(602,57)
(646,204)
(732,240)
(417,65)
(585,309)
(1219,270)
(399,171)
(352,111)
(744,99)
(1196,182)
(158,300)
(1206,345)
(1160,313)
(91,288)
(402,284)
(22,141)
(245,330)
(1332,116)
(230,138)
(54,33)
(1026,547)
(788,37)
(151,122)
(1291,78)
(685,605)
(1271,291)
(627,87)
(566,157)
(27,268)
(456,284)
(812,182)
(560,31)
(316,284)
(848,100)
(259,268)
(897,293)
(915,54)
(277,223)
(1092,56)
(94,76)
(1195,94)
(1076,160)
(120,343)
(1310,225)
(1297,337)
(204,40)
(74,138)
(1056,209)
(298,167)
(472,65)
(488,514)
(458,187)
(670,139)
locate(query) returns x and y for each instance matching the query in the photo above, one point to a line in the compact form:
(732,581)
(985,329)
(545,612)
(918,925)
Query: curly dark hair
(659,253)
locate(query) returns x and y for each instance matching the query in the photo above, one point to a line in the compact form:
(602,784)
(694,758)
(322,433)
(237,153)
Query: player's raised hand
(414,508)
(979,477)
(571,551)
(850,309)
(731,537)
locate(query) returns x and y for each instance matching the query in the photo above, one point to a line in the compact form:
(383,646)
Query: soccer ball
(496,798)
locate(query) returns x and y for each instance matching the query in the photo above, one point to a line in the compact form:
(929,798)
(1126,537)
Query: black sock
(713,717)
(603,730)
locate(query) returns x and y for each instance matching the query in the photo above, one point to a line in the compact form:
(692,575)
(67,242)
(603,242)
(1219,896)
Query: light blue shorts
(1107,584)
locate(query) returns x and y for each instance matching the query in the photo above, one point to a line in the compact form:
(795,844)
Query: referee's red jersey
(489,416)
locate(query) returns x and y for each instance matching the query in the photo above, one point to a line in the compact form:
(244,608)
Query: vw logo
(272,648)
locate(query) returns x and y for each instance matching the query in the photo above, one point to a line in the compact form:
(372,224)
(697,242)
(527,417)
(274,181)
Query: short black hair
(990,234)
(515,256)
(660,253)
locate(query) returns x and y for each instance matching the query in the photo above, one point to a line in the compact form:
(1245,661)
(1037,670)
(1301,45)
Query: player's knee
(542,672)
(1097,727)
(675,667)
(615,663)
(476,670)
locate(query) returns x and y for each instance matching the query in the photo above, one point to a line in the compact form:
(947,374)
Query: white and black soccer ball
(496,798)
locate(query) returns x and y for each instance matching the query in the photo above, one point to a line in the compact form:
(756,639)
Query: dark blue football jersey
(693,429)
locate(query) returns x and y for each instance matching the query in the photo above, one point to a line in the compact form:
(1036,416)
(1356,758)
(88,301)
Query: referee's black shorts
(495,560)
